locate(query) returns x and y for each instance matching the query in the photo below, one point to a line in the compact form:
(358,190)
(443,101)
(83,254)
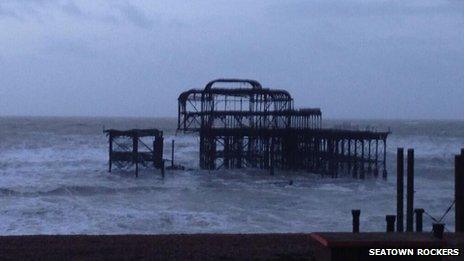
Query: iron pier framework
(133,147)
(242,124)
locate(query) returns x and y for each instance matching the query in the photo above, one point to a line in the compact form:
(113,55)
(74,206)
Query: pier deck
(325,151)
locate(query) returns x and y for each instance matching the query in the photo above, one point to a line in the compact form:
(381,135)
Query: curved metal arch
(254,84)
(185,95)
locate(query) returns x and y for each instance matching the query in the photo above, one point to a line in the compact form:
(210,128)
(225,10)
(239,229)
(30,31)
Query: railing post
(419,212)
(390,223)
(438,229)
(410,192)
(399,189)
(356,213)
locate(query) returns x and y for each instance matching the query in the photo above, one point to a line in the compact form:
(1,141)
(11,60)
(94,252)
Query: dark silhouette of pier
(127,148)
(250,126)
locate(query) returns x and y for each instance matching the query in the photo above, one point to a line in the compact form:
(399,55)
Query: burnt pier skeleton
(133,147)
(252,126)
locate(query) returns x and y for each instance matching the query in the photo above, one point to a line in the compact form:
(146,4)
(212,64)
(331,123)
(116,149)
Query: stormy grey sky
(352,58)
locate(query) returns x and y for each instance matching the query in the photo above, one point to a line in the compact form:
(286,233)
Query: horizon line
(175,117)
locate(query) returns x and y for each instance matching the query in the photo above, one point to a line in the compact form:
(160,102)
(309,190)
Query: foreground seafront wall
(315,246)
(158,247)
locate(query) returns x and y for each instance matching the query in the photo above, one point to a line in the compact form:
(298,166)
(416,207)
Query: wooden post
(355,213)
(438,229)
(459,192)
(410,192)
(110,162)
(390,223)
(419,212)
(399,189)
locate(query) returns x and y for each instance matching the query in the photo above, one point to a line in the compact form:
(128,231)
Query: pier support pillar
(362,174)
(384,174)
(158,151)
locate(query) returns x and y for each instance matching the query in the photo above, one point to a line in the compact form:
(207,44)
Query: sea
(54,179)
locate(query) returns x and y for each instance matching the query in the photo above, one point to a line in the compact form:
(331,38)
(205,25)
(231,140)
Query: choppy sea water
(54,180)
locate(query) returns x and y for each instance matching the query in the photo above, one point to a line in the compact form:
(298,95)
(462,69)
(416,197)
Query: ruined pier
(135,147)
(241,124)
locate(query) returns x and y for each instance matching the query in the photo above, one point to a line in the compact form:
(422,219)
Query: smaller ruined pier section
(135,147)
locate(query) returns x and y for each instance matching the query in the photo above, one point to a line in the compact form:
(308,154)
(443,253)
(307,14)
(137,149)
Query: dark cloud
(136,16)
(24,10)
(43,10)
(72,9)
(362,8)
